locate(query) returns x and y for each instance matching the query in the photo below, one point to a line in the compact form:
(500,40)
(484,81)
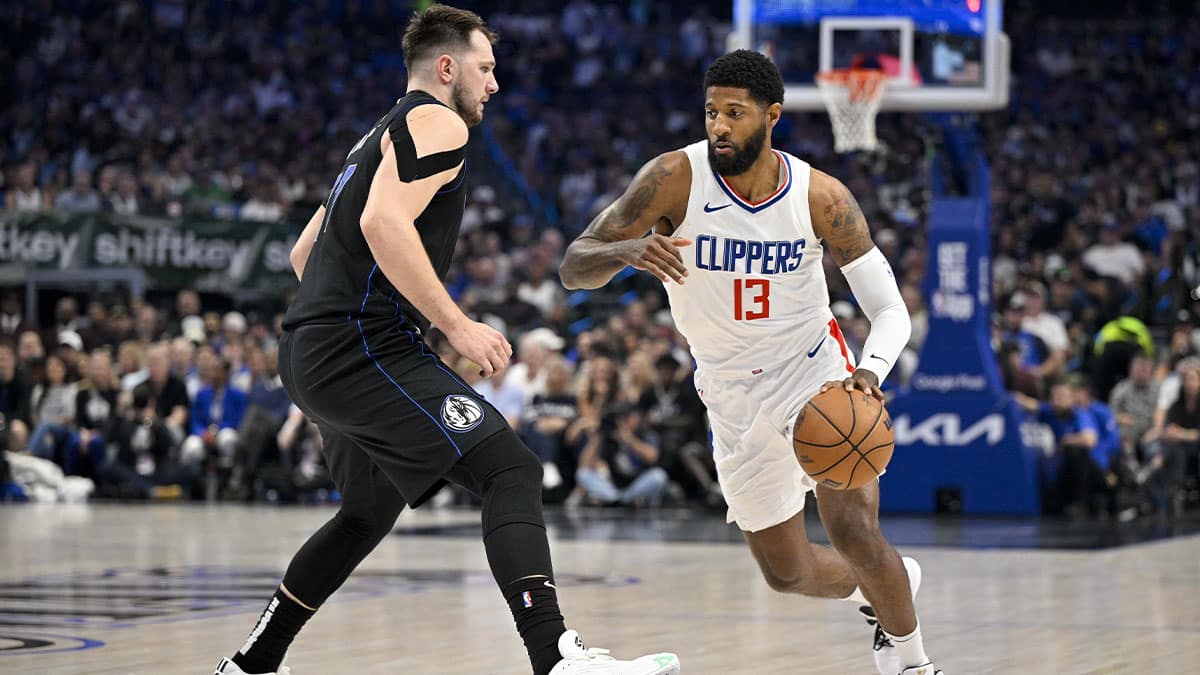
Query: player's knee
(855,535)
(530,468)
(849,523)
(512,492)
(784,578)
(366,523)
(778,583)
(356,523)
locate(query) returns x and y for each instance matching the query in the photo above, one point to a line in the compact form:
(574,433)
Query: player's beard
(467,108)
(742,158)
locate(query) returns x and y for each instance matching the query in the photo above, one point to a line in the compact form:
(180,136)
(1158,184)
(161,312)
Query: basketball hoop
(852,96)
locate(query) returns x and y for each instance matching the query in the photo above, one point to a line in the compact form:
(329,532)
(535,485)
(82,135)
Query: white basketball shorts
(752,417)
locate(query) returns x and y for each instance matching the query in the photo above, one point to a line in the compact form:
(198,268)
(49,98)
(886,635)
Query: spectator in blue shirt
(1106,453)
(267,407)
(217,412)
(1033,354)
(1069,470)
(1108,434)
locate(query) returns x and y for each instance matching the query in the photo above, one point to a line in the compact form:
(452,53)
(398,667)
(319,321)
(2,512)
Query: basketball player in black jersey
(397,423)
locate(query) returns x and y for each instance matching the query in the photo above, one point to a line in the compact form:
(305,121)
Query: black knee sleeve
(509,478)
(365,524)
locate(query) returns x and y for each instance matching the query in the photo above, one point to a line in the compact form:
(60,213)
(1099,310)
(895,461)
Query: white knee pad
(227,442)
(192,450)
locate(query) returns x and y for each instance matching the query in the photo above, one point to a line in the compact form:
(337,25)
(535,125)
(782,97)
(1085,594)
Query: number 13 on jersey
(751,299)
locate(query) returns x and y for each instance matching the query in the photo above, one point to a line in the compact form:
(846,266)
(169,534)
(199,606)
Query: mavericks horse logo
(461,413)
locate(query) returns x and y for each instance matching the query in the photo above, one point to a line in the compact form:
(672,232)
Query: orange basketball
(843,439)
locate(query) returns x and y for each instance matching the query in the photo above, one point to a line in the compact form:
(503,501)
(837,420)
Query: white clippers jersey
(755,294)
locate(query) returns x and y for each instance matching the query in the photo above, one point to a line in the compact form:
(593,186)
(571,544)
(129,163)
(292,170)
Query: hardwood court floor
(172,588)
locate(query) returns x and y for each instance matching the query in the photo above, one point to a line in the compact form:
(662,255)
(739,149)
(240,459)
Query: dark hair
(746,69)
(441,28)
(667,361)
(1081,381)
(613,414)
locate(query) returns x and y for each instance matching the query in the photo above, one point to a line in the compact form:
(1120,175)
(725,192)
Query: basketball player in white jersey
(737,233)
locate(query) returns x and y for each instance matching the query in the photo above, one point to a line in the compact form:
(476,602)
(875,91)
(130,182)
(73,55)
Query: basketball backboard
(938,54)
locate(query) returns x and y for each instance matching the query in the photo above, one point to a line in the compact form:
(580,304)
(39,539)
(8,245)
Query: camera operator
(146,459)
(618,463)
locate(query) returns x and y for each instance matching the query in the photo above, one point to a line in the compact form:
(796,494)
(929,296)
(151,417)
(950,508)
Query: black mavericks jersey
(342,281)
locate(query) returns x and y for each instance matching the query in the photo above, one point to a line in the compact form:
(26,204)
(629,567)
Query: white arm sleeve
(874,286)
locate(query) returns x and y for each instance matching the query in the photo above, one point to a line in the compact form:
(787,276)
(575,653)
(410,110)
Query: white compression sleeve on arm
(874,286)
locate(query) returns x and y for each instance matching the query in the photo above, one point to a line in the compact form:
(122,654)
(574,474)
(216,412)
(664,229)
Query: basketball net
(852,96)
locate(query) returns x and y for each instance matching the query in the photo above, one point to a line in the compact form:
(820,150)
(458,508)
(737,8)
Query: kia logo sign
(947,429)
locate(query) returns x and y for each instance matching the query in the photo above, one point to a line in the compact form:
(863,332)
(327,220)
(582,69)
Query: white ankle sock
(910,648)
(856,597)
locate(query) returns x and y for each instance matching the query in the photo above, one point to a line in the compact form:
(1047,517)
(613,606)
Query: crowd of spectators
(245,109)
(144,403)
(1096,245)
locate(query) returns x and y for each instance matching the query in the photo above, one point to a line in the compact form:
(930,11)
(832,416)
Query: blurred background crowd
(244,110)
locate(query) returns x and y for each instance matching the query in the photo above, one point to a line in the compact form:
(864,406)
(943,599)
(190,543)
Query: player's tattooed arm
(837,219)
(839,222)
(655,200)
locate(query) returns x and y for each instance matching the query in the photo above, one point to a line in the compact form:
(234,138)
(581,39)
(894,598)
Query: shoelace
(881,639)
(597,654)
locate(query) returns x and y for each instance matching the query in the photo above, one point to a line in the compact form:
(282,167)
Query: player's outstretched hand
(482,344)
(658,255)
(863,380)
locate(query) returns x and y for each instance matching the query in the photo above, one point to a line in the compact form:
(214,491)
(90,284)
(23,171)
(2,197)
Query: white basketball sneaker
(579,660)
(887,661)
(227,667)
(927,669)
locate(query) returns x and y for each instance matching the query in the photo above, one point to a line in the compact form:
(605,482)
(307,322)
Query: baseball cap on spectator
(1184,321)
(234,321)
(546,338)
(70,338)
(192,328)
(666,362)
(484,193)
(1054,263)
(663,319)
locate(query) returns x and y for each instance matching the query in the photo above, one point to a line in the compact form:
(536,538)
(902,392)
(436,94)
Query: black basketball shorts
(389,394)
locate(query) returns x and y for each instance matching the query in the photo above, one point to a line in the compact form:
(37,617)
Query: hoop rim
(846,72)
(852,97)
(864,84)
(838,76)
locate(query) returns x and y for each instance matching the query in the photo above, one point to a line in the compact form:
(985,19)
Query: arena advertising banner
(965,454)
(959,437)
(209,255)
